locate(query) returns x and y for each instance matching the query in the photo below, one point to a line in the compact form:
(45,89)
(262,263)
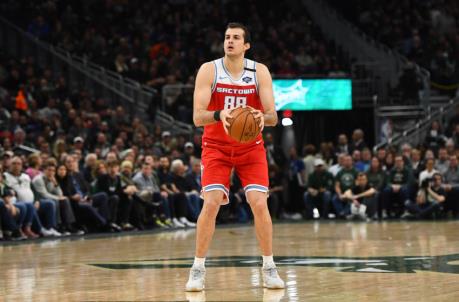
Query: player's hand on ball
(257,114)
(224,116)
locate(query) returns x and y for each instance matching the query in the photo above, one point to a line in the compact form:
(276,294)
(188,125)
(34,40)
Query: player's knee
(211,207)
(258,205)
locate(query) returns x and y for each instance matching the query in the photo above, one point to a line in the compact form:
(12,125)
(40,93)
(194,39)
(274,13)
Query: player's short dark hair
(243,27)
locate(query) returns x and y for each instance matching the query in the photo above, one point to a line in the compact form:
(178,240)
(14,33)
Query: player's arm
(202,95)
(265,91)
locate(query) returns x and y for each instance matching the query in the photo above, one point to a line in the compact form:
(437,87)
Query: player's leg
(264,233)
(263,225)
(252,169)
(206,221)
(204,233)
(216,171)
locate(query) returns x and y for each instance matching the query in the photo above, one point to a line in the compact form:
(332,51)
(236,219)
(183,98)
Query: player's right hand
(225,115)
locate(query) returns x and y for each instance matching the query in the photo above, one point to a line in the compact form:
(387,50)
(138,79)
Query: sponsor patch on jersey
(247,79)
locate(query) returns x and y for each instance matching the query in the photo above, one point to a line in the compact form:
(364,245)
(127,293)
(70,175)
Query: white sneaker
(46,233)
(315,213)
(196,280)
(271,278)
(177,223)
(187,223)
(55,232)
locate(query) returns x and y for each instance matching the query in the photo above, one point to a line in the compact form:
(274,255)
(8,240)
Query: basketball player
(222,85)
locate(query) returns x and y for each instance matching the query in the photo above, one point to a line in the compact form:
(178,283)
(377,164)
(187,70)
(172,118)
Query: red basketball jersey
(228,93)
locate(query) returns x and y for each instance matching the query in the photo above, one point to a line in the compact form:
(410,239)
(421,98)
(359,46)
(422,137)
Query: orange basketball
(243,125)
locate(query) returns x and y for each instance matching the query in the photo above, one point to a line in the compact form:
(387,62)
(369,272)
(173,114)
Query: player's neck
(234,65)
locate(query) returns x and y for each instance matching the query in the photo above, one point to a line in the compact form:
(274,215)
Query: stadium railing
(81,74)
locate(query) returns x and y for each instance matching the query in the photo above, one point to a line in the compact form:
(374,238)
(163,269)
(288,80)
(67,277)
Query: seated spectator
(21,184)
(451,186)
(10,215)
(154,200)
(319,192)
(47,187)
(435,138)
(430,199)
(377,179)
(118,194)
(275,198)
(428,173)
(344,180)
(182,191)
(89,166)
(34,165)
(338,166)
(91,209)
(358,142)
(362,198)
(397,192)
(442,163)
(343,145)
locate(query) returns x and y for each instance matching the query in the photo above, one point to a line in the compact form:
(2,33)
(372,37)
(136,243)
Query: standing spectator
(344,181)
(319,193)
(47,187)
(21,184)
(397,193)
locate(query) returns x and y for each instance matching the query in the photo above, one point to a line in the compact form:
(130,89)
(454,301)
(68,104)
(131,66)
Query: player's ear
(246,46)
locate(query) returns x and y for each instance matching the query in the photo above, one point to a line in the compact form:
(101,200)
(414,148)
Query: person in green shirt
(397,192)
(318,195)
(344,180)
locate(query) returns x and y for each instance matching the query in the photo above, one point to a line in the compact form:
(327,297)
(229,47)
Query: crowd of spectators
(423,31)
(165,42)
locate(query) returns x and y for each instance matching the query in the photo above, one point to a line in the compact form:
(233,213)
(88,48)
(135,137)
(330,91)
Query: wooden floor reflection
(399,261)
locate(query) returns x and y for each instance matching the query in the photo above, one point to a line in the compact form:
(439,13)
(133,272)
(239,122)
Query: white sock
(268,261)
(199,262)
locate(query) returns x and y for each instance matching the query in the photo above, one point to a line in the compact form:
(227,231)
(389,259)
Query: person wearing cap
(188,153)
(166,144)
(319,192)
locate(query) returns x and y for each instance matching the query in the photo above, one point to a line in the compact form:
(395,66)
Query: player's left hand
(257,114)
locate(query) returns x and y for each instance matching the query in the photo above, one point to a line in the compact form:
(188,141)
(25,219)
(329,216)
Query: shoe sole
(194,289)
(274,287)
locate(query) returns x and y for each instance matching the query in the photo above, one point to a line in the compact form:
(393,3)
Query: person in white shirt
(21,184)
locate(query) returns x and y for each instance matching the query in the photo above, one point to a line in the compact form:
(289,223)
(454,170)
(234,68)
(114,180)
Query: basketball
(243,127)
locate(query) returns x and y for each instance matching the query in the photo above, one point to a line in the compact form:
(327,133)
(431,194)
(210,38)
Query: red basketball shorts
(217,163)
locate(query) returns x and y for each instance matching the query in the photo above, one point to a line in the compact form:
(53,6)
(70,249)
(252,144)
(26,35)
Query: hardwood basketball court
(320,261)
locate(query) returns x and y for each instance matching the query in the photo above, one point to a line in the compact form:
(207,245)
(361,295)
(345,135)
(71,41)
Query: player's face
(234,42)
